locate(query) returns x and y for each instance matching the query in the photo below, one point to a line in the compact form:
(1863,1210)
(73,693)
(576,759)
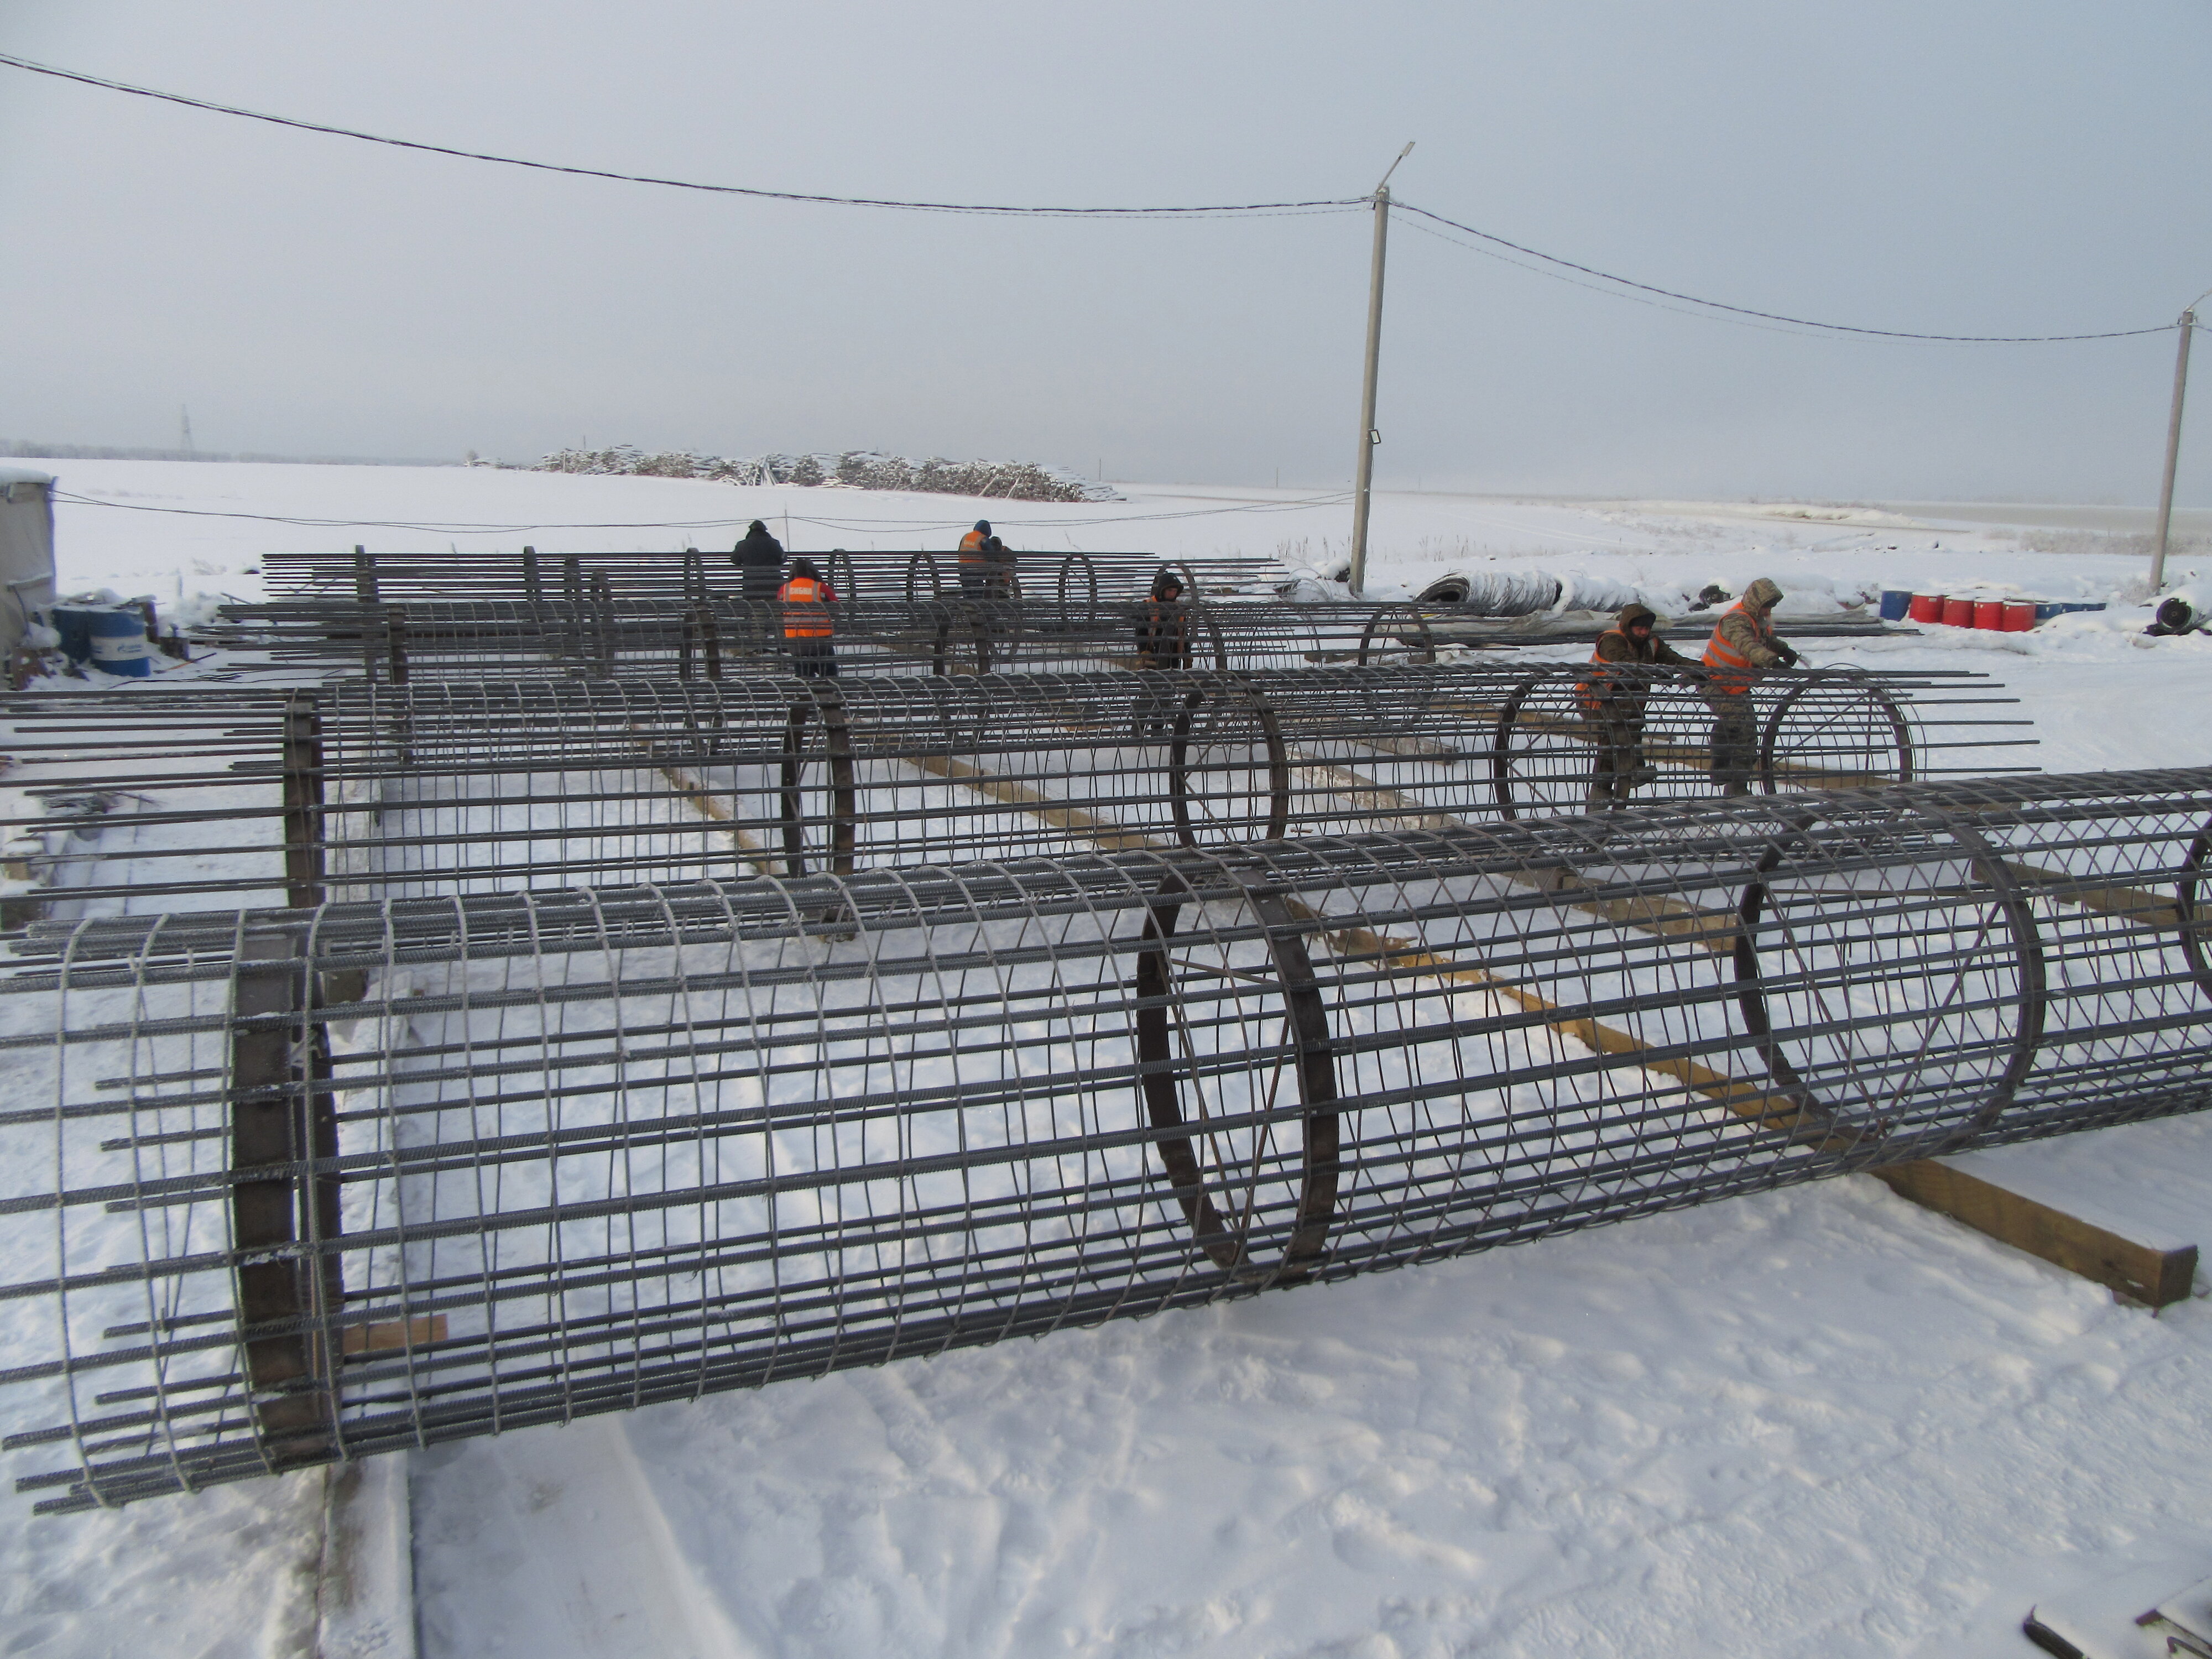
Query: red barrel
(1958,613)
(1926,607)
(2019,616)
(1990,614)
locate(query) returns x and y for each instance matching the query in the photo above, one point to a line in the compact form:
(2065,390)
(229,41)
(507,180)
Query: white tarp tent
(27,551)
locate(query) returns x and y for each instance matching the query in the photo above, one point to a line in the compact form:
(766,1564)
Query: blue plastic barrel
(118,643)
(1896,602)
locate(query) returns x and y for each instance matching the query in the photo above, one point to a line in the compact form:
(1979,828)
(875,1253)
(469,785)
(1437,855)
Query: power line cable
(853,525)
(1214,210)
(1775,317)
(1609,292)
(1332,204)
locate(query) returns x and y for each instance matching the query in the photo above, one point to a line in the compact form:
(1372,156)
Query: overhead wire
(881,525)
(1323,204)
(1772,316)
(1215,209)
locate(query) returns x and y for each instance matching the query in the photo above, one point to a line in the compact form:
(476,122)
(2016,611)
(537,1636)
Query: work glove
(1789,655)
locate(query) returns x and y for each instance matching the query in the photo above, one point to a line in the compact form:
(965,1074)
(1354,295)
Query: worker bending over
(1742,648)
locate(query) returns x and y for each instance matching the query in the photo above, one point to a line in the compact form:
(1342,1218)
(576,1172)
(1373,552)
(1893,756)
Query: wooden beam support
(2142,1272)
(1089,825)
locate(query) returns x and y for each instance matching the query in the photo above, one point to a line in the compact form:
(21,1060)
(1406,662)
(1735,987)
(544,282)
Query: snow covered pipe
(453,786)
(299,1186)
(1529,593)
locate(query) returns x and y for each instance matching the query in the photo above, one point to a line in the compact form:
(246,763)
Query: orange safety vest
(971,548)
(803,617)
(1734,677)
(1590,689)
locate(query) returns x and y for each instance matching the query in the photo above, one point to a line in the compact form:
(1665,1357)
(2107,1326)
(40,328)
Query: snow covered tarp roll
(303,1186)
(27,551)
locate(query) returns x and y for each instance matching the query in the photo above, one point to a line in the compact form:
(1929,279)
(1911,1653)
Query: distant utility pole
(1369,437)
(2173,442)
(184,419)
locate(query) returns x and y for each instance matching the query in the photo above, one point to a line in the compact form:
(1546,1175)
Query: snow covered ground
(1820,1421)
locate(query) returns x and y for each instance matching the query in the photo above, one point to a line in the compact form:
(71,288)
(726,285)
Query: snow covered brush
(291,1187)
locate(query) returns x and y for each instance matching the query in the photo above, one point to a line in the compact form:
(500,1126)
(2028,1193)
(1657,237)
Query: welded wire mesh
(355,788)
(319,1184)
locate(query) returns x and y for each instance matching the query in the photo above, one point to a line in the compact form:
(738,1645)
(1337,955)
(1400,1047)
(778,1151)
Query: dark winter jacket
(759,560)
(1164,628)
(1616,645)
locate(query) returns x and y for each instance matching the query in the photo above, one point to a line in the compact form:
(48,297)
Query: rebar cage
(712,636)
(355,788)
(319,1183)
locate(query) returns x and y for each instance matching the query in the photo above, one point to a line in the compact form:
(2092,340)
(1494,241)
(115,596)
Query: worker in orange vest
(1743,647)
(974,562)
(1612,699)
(807,598)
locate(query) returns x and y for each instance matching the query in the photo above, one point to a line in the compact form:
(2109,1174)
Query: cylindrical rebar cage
(354,789)
(313,1184)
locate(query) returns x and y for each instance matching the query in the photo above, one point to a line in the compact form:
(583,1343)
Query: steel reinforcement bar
(351,789)
(313,1185)
(597,634)
(905,573)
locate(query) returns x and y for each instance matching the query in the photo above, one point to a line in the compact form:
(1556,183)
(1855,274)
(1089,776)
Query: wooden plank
(2142,1272)
(1109,836)
(694,794)
(2129,904)
(1711,930)
(394,1334)
(1746,1100)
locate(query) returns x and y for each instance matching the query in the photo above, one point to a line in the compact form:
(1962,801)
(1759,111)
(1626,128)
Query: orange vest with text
(971,548)
(803,618)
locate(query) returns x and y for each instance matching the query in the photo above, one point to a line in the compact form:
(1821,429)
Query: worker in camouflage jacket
(1743,647)
(1612,695)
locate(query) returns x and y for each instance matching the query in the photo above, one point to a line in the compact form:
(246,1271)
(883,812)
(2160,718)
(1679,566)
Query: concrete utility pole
(2173,443)
(1369,437)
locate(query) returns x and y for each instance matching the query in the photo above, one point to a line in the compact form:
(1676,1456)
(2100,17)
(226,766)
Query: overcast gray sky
(2013,167)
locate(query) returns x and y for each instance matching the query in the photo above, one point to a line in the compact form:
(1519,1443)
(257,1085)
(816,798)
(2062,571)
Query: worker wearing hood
(1743,647)
(1612,695)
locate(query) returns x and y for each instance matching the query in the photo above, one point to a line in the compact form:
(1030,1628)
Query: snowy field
(1820,1421)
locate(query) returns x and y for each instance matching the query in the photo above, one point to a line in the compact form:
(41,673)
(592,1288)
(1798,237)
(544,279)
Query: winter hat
(755,528)
(983,526)
(1632,614)
(805,567)
(1762,595)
